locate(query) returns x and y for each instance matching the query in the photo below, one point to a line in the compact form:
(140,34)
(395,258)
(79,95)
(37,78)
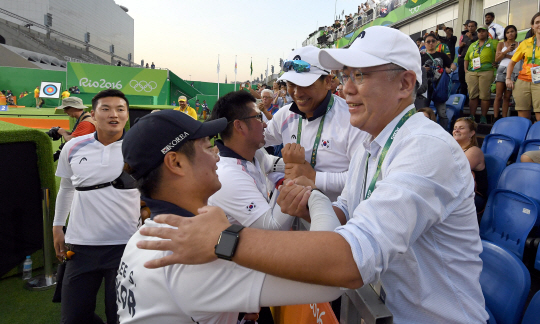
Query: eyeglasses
(431,41)
(259,117)
(357,76)
(266,97)
(299,66)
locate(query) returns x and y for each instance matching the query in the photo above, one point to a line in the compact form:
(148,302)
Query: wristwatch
(227,242)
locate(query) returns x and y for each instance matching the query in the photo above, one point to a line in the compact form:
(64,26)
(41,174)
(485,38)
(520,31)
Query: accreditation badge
(535,74)
(476,63)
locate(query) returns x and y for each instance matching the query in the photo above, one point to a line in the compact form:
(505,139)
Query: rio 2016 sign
(92,78)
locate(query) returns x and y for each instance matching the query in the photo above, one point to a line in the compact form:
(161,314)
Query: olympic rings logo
(414,10)
(143,85)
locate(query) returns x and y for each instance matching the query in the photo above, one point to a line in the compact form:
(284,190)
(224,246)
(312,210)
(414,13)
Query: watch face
(227,244)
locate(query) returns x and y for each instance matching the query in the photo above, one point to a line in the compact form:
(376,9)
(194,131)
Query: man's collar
(158,207)
(121,138)
(373,146)
(224,151)
(319,111)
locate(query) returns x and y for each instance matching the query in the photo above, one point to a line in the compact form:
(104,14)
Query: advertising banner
(93,78)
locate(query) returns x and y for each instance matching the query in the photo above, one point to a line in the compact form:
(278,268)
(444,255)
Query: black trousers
(463,89)
(88,267)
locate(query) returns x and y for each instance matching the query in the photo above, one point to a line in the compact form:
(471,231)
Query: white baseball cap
(308,54)
(375,46)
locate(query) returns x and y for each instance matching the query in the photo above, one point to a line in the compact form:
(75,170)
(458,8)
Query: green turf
(48,113)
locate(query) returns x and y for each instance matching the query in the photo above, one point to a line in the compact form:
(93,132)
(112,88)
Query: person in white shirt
(103,216)
(243,166)
(318,121)
(409,196)
(495,30)
(175,171)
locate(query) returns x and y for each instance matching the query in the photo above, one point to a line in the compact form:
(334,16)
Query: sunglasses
(299,66)
(431,41)
(259,117)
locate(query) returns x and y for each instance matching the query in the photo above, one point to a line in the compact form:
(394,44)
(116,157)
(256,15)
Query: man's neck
(181,199)
(245,151)
(79,114)
(107,138)
(402,105)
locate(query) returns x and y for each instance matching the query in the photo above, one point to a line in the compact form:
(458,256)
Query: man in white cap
(409,196)
(186,108)
(84,125)
(317,121)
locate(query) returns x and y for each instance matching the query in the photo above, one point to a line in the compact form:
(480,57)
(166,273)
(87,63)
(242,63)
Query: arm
(64,199)
(84,128)
(475,157)
(65,134)
(500,54)
(277,291)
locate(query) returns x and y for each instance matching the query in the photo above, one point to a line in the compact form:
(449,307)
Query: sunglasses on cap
(299,66)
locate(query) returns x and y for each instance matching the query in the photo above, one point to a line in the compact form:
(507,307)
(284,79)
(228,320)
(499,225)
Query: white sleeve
(277,291)
(63,169)
(269,163)
(330,181)
(274,219)
(272,133)
(323,217)
(64,198)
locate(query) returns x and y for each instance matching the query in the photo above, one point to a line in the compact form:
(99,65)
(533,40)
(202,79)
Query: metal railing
(364,304)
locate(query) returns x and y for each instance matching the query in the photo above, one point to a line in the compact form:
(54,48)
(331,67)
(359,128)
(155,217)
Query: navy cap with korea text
(154,135)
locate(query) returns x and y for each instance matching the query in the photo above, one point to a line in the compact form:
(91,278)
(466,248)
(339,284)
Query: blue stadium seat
(523,178)
(537,262)
(532,141)
(454,79)
(505,282)
(508,219)
(499,145)
(532,313)
(495,166)
(504,129)
(491,319)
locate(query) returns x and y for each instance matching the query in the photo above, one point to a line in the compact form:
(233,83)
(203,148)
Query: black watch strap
(234,228)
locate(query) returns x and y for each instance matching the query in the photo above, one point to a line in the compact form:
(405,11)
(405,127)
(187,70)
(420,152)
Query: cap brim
(210,128)
(301,79)
(336,59)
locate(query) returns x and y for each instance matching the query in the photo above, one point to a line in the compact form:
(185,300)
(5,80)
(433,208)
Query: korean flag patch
(251,206)
(325,144)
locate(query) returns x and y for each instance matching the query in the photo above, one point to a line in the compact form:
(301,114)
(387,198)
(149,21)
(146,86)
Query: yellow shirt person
(65,94)
(185,108)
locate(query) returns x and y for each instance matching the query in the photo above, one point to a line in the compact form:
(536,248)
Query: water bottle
(27,268)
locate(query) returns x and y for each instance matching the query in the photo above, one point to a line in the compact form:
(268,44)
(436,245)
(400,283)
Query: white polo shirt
(105,216)
(244,196)
(211,293)
(338,142)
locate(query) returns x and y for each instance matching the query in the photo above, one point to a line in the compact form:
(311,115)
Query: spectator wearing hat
(468,36)
(495,30)
(184,107)
(527,87)
(410,225)
(84,125)
(479,60)
(316,121)
(180,180)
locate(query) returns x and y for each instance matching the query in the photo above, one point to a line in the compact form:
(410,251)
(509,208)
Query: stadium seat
(537,262)
(523,178)
(454,107)
(499,145)
(508,219)
(505,282)
(532,141)
(491,319)
(532,313)
(454,78)
(503,130)
(495,166)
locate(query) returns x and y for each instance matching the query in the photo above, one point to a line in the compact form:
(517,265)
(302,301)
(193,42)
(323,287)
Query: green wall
(22,79)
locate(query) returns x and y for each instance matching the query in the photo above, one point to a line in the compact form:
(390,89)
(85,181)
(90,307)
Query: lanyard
(479,51)
(534,50)
(318,137)
(383,153)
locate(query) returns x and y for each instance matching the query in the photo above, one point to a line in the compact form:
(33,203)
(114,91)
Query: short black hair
(491,14)
(232,106)
(474,22)
(450,28)
(420,39)
(149,183)
(108,93)
(432,34)
(507,28)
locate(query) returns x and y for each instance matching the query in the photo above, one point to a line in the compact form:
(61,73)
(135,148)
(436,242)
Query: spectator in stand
(441,47)
(465,134)
(421,45)
(436,64)
(340,92)
(468,36)
(266,106)
(247,86)
(334,84)
(65,94)
(283,98)
(496,31)
(428,112)
(9,98)
(84,125)
(527,87)
(505,50)
(23,94)
(205,110)
(153,66)
(185,108)
(450,41)
(337,25)
(361,10)
(36,96)
(76,90)
(147,66)
(479,60)
(531,157)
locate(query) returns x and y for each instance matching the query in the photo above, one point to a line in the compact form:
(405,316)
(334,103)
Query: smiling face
(462,133)
(536,26)
(309,98)
(111,115)
(255,127)
(203,167)
(182,104)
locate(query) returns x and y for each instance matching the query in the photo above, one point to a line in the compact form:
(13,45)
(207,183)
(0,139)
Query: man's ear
(328,82)
(240,127)
(93,114)
(176,163)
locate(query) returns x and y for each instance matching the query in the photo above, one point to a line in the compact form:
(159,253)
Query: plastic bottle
(27,268)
